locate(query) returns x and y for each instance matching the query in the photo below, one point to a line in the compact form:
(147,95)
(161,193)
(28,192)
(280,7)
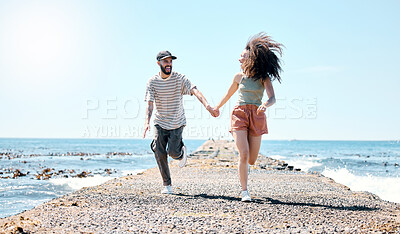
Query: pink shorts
(245,118)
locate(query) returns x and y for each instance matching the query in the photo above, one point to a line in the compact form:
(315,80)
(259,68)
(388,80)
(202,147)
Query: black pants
(162,139)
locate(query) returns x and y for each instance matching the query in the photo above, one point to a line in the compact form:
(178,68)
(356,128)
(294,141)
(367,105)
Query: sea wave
(78,183)
(16,187)
(385,187)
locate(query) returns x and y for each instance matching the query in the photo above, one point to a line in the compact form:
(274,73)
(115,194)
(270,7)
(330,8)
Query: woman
(260,66)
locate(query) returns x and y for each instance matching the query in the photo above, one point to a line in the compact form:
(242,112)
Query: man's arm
(149,112)
(203,100)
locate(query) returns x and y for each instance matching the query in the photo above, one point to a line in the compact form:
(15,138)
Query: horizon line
(136,138)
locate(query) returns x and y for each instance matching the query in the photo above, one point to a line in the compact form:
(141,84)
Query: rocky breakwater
(206,199)
(42,172)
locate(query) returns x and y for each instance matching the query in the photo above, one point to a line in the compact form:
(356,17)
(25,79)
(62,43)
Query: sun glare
(37,42)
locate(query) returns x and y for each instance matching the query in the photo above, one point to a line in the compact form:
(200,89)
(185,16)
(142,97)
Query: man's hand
(149,111)
(146,128)
(213,111)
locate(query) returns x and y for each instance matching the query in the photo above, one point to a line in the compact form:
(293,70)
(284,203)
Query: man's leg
(175,143)
(159,145)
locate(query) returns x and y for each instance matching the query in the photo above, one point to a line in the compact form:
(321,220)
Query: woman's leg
(254,148)
(241,140)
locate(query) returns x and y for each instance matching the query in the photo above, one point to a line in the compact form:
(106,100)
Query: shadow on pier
(267,200)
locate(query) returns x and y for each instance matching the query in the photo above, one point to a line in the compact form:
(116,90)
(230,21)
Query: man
(166,89)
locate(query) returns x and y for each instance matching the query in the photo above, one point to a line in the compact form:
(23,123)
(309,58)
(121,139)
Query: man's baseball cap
(164,54)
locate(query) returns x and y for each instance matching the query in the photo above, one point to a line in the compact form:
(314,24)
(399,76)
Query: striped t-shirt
(168,97)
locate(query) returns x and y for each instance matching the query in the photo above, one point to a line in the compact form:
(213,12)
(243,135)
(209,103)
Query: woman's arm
(271,96)
(232,89)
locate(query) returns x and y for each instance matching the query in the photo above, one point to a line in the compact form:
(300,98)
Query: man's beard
(164,71)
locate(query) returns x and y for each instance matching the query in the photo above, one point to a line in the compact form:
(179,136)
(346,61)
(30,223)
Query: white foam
(277,157)
(78,183)
(387,188)
(133,172)
(304,164)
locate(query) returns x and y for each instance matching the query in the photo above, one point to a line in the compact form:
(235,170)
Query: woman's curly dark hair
(262,61)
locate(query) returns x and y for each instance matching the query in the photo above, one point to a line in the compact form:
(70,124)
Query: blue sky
(79,68)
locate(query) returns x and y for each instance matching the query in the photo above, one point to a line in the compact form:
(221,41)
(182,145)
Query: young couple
(260,65)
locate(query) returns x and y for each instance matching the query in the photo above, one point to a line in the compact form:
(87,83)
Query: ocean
(33,171)
(371,166)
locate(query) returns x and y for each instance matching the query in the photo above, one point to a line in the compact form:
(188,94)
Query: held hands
(261,109)
(213,111)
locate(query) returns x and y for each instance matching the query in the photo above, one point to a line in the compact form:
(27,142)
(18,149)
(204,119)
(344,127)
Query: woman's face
(243,57)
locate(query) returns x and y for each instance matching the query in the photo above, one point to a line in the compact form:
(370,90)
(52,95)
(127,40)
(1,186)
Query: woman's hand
(213,111)
(261,109)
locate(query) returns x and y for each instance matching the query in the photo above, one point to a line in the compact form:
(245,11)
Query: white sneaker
(183,161)
(246,196)
(167,190)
